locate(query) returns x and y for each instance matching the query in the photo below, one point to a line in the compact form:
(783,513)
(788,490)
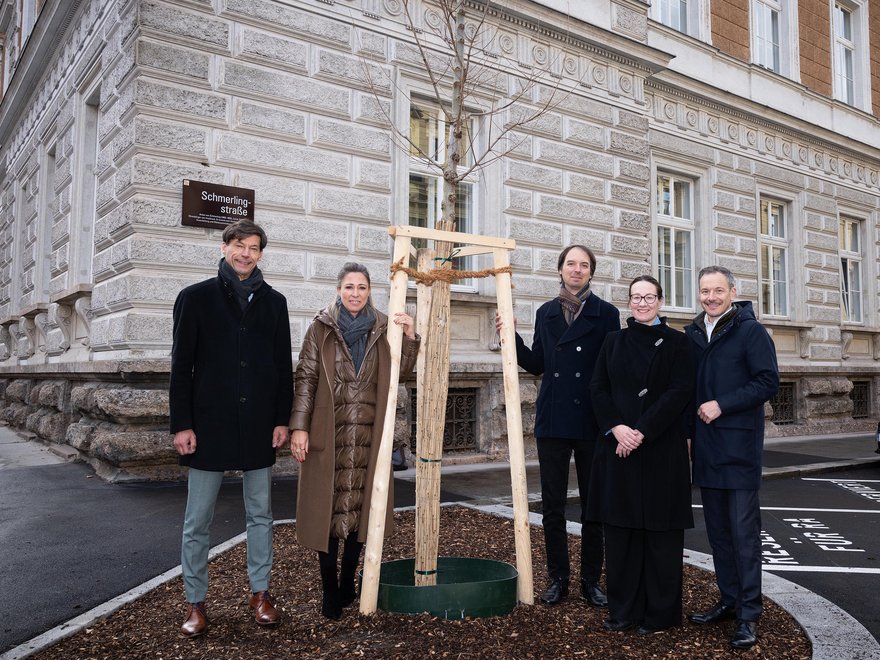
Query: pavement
(76,548)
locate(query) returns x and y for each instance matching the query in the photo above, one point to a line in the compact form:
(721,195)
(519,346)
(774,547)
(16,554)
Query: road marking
(796,508)
(864,481)
(820,569)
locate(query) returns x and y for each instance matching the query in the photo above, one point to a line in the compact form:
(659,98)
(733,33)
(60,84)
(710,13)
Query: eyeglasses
(636,299)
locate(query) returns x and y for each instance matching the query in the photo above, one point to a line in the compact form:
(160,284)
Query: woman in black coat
(640,484)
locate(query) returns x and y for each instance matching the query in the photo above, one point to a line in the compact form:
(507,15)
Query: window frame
(676,224)
(417,166)
(697,17)
(788,44)
(767,245)
(857,45)
(856,257)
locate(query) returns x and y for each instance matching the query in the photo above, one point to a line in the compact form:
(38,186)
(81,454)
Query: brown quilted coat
(344,414)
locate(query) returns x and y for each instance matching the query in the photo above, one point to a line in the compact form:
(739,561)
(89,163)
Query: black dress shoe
(556,591)
(646,629)
(591,593)
(720,612)
(614,624)
(745,636)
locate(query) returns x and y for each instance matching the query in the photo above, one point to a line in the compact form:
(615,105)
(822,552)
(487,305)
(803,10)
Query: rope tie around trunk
(449,275)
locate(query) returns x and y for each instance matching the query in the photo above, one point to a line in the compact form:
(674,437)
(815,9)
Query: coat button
(243,363)
(556,375)
(577,402)
(577,375)
(242,399)
(643,393)
(578,348)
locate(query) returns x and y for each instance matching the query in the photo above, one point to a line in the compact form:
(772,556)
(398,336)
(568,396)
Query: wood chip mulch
(148,627)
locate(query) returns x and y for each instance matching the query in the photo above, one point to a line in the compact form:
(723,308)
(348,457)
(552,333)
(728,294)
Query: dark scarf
(243,289)
(354,331)
(571,304)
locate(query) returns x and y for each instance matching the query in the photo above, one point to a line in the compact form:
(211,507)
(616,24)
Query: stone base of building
(114,414)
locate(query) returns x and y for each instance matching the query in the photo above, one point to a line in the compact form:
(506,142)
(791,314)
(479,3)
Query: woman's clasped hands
(628,439)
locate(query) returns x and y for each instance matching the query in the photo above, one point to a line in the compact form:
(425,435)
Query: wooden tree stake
(379,496)
(525,585)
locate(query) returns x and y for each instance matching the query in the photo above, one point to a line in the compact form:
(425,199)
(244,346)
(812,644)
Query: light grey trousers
(203,487)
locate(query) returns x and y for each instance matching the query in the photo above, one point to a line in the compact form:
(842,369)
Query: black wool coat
(644,379)
(565,355)
(231,375)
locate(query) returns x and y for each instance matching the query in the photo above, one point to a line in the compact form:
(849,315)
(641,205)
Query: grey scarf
(354,331)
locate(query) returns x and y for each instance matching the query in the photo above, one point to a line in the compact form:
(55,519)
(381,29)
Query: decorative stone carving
(804,342)
(83,307)
(41,321)
(28,330)
(62,317)
(495,337)
(6,343)
(845,341)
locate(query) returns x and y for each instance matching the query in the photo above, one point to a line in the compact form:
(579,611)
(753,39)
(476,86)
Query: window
(674,13)
(783,405)
(850,249)
(766,18)
(427,134)
(460,425)
(850,52)
(773,257)
(675,240)
(860,394)
(844,54)
(84,197)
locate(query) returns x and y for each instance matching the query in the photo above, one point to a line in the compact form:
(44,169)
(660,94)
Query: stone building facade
(670,138)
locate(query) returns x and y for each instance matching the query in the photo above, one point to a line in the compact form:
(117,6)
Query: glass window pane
(423,133)
(683,199)
(664,200)
(855,278)
(463,208)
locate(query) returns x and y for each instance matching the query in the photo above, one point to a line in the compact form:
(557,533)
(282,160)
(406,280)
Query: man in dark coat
(736,373)
(230,399)
(569,331)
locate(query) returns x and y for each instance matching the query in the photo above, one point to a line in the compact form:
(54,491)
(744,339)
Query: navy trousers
(733,525)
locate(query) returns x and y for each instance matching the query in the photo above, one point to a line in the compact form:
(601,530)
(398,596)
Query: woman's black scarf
(243,289)
(354,331)
(571,304)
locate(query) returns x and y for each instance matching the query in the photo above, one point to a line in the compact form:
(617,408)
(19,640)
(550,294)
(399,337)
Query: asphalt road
(823,533)
(70,541)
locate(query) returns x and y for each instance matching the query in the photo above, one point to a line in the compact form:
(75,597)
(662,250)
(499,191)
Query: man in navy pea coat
(569,331)
(230,399)
(736,373)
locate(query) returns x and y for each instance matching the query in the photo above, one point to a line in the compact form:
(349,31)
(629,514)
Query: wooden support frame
(473,244)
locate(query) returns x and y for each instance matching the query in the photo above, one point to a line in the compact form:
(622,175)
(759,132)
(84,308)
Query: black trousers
(643,571)
(554,457)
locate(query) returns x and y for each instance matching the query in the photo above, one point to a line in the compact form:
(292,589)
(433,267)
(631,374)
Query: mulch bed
(148,627)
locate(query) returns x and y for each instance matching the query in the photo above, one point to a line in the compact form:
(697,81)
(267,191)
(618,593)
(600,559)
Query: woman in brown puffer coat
(342,382)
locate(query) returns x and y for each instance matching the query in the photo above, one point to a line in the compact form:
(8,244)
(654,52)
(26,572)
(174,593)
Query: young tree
(472,84)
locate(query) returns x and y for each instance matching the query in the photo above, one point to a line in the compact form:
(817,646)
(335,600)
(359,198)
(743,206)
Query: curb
(832,632)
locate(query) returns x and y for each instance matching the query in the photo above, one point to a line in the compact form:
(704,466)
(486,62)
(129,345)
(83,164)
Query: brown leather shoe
(196,623)
(263,605)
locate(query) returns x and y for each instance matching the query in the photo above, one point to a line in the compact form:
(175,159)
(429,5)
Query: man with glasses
(736,373)
(569,331)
